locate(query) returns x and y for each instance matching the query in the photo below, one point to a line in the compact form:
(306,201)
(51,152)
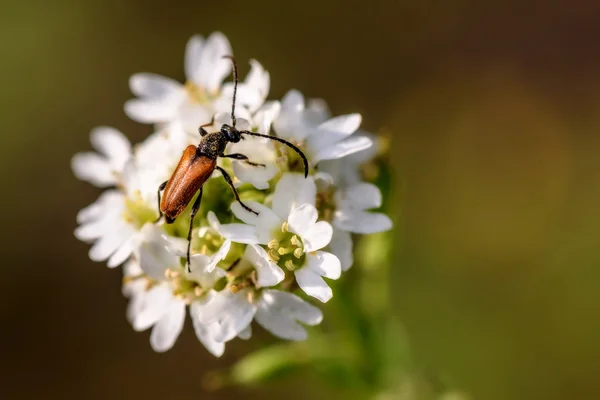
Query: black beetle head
(232,134)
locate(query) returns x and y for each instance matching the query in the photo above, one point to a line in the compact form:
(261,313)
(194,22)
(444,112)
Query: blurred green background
(493,111)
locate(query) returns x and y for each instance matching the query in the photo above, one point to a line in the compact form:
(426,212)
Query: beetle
(198,163)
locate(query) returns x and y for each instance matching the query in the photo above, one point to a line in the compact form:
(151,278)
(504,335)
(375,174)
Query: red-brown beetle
(198,163)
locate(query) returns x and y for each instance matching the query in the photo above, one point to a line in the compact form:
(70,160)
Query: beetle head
(232,134)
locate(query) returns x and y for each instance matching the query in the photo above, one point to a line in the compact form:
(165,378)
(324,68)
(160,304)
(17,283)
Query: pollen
(289,264)
(285,250)
(273,255)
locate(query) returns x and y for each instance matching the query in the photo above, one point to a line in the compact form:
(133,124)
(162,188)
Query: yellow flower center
(137,212)
(287,249)
(197,95)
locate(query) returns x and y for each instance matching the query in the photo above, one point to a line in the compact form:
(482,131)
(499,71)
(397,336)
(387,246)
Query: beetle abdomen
(189,175)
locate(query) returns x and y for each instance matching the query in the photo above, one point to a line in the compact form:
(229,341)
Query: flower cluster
(243,267)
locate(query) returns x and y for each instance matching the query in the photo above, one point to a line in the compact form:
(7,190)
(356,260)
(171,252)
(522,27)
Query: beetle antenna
(235,84)
(296,149)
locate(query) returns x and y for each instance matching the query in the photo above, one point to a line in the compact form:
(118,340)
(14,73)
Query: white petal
(218,256)
(361,196)
(247,96)
(278,311)
(264,117)
(136,293)
(155,87)
(89,231)
(363,156)
(293,100)
(334,130)
(269,273)
(152,253)
(317,236)
(132,268)
(175,245)
(341,246)
(292,191)
(245,215)
(206,336)
(313,285)
(343,124)
(279,324)
(325,179)
(203,268)
(234,322)
(246,333)
(95,210)
(112,143)
(342,149)
(192,115)
(258,177)
(212,67)
(206,279)
(147,111)
(155,303)
(108,244)
(324,264)
(101,217)
(302,219)
(213,221)
(252,92)
(239,233)
(193,51)
(258,150)
(93,168)
(319,108)
(267,223)
(168,327)
(259,79)
(205,332)
(292,123)
(294,306)
(361,221)
(224,117)
(233,313)
(123,252)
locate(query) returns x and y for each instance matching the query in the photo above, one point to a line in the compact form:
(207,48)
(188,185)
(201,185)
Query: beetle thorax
(213,144)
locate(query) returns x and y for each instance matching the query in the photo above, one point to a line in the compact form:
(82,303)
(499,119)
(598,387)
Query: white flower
(162,100)
(352,214)
(292,233)
(325,140)
(103,169)
(258,150)
(345,171)
(167,288)
(274,310)
(102,222)
(113,222)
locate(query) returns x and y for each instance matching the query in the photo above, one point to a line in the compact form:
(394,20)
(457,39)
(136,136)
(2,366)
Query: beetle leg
(235,192)
(160,189)
(203,132)
(238,156)
(195,209)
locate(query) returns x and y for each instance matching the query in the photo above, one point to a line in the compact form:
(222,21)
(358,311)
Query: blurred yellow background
(493,111)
